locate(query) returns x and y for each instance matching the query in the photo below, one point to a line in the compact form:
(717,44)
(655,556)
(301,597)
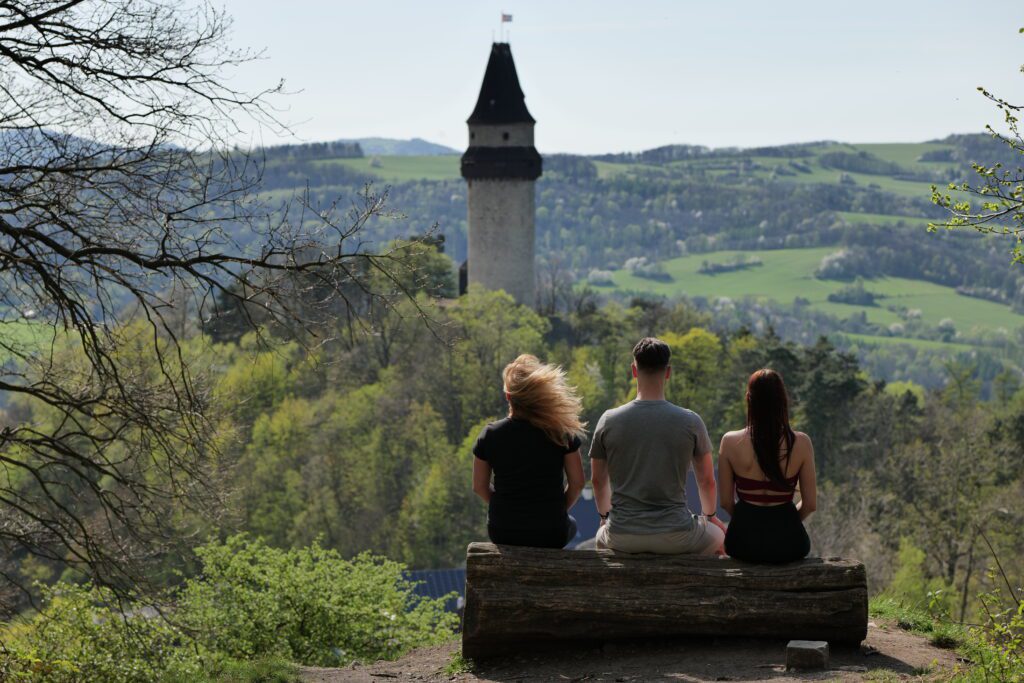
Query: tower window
(504,136)
(472,136)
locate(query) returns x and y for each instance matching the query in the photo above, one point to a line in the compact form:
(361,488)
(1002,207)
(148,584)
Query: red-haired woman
(534,457)
(762,466)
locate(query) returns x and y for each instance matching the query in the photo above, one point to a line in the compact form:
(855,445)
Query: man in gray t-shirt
(640,455)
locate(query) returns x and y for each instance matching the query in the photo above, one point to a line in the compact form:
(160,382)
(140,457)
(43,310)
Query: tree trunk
(517,598)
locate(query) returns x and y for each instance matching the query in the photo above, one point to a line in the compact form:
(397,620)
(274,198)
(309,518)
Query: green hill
(786,275)
(789,206)
(679,206)
(400,168)
(394,147)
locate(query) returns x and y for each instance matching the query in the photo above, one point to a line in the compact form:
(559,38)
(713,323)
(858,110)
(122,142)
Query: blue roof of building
(437,583)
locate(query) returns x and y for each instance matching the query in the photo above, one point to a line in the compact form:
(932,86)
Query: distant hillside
(401,148)
(815,216)
(776,237)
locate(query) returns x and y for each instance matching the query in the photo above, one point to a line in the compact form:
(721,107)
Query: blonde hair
(538,393)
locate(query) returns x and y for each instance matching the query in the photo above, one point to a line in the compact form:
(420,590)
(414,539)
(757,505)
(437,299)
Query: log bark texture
(520,597)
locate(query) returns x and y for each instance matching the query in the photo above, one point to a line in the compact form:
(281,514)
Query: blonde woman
(528,452)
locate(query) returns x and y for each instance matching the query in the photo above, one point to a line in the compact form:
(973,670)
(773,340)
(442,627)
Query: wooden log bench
(519,598)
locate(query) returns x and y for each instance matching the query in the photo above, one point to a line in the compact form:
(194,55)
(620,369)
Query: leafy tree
(911,583)
(696,363)
(257,378)
(945,489)
(994,204)
(490,330)
(274,493)
(585,374)
(441,515)
(341,491)
(829,389)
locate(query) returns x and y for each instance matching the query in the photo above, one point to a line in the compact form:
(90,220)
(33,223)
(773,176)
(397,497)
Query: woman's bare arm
(725,478)
(574,476)
(482,479)
(808,480)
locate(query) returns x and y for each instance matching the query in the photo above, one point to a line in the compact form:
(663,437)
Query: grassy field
(915,222)
(607,169)
(789,273)
(905,188)
(904,154)
(408,168)
(402,168)
(830,176)
(926,344)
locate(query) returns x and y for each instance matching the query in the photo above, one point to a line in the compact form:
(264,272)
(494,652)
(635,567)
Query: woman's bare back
(738,449)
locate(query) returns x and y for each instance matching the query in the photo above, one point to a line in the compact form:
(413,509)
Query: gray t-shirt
(649,446)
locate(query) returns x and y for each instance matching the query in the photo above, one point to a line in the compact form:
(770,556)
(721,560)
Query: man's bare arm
(704,469)
(602,485)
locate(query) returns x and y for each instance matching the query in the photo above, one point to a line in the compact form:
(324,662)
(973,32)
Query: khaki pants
(703,539)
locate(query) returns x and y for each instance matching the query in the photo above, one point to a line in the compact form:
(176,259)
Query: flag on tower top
(506,18)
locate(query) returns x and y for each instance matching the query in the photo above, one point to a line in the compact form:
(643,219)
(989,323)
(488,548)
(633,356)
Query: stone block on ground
(807,654)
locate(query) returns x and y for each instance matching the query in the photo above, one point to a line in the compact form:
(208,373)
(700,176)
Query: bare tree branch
(122,209)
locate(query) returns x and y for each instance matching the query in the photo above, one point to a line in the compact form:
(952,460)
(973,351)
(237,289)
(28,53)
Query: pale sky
(622,75)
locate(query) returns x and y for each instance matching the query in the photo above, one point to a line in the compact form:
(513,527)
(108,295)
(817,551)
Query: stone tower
(501,166)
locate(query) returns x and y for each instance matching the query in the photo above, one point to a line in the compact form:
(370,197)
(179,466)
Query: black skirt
(766,533)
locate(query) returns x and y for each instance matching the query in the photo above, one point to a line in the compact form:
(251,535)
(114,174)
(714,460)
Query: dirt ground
(888,654)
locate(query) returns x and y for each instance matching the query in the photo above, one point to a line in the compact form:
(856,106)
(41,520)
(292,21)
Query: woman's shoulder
(803,449)
(731,440)
(734,436)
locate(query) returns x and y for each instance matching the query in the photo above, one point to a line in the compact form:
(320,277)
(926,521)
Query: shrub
(997,646)
(740,262)
(639,266)
(854,294)
(250,611)
(82,634)
(263,670)
(600,278)
(307,605)
(847,264)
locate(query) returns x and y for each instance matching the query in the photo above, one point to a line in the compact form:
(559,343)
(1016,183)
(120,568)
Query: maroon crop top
(774,493)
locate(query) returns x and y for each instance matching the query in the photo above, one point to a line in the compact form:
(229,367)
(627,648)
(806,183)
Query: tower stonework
(501,166)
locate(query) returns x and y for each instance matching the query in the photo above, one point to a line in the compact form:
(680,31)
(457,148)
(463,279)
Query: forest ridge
(808,239)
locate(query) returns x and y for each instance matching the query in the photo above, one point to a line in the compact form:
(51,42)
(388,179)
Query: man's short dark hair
(651,355)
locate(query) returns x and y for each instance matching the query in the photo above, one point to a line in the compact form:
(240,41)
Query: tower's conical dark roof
(501,98)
